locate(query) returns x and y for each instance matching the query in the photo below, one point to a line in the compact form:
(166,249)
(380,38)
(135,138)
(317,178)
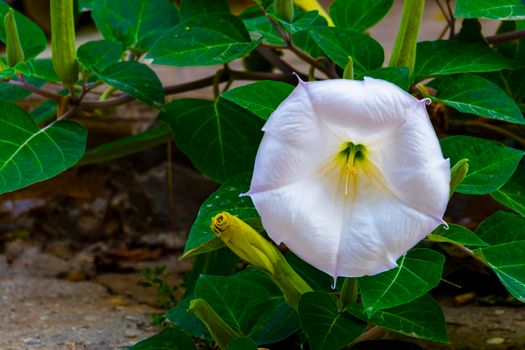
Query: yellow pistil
(351,155)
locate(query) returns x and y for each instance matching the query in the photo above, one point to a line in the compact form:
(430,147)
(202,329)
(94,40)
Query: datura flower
(350,175)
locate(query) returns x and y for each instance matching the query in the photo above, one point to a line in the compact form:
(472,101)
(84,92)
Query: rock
(495,341)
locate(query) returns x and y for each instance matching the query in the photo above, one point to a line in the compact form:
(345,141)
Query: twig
(499,38)
(194,85)
(307,58)
(452,20)
(497,129)
(24,85)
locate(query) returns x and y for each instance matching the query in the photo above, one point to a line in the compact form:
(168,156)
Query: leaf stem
(497,129)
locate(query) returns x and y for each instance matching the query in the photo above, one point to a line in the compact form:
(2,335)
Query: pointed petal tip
(426,101)
(299,80)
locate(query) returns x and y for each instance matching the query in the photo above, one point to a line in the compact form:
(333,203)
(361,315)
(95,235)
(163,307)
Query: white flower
(350,175)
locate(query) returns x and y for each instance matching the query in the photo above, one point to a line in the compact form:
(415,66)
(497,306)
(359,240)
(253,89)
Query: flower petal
(350,219)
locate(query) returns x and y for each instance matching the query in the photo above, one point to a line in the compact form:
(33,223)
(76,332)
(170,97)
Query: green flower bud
(221,332)
(348,73)
(284,9)
(404,51)
(14,50)
(457,174)
(250,246)
(63,48)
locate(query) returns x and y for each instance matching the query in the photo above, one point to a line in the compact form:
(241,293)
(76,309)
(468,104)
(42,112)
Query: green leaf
(203,41)
(261,98)
(255,275)
(338,44)
(491,164)
(32,38)
(194,8)
(323,324)
(359,15)
(469,93)
(99,54)
(220,137)
(271,321)
(421,318)
(85,5)
(417,272)
(257,24)
(187,321)
(137,23)
(512,194)
(127,145)
(490,9)
(508,262)
(502,227)
(443,57)
(232,298)
(38,69)
(315,278)
(45,111)
(396,75)
(29,154)
(303,21)
(242,343)
(201,238)
(135,79)
(168,338)
(456,234)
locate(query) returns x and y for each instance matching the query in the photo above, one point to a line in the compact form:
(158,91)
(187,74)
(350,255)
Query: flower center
(350,156)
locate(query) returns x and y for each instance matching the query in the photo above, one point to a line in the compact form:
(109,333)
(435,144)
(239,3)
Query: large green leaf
(32,38)
(136,23)
(29,154)
(359,15)
(323,324)
(502,227)
(417,272)
(512,194)
(242,343)
(508,262)
(201,238)
(396,75)
(220,137)
(99,54)
(490,9)
(169,338)
(134,78)
(232,298)
(127,145)
(261,98)
(421,318)
(491,164)
(38,69)
(187,321)
(443,57)
(194,8)
(271,321)
(472,94)
(202,41)
(315,278)
(258,24)
(338,44)
(456,234)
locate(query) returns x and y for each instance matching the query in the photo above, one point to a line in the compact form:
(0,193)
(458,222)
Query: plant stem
(24,85)
(497,129)
(495,39)
(194,85)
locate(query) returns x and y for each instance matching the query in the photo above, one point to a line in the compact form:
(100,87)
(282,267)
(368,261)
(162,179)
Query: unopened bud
(14,51)
(220,331)
(63,48)
(348,73)
(284,9)
(457,174)
(250,246)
